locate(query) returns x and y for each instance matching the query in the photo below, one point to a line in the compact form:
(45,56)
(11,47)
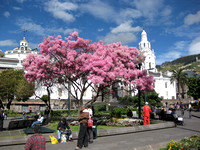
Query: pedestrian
(46,113)
(24,115)
(5,115)
(36,141)
(61,128)
(1,117)
(83,134)
(38,112)
(162,114)
(30,110)
(182,107)
(146,114)
(190,110)
(89,129)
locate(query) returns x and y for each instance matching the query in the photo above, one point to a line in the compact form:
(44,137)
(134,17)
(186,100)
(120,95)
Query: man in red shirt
(37,141)
(146,114)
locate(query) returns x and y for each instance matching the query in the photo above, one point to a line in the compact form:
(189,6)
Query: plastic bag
(63,138)
(53,140)
(90,122)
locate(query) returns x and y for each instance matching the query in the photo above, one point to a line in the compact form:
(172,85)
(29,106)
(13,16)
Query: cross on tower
(24,32)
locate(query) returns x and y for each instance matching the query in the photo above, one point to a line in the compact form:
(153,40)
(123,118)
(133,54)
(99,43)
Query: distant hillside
(184,60)
(189,62)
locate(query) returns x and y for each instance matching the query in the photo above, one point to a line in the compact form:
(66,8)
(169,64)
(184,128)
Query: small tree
(14,85)
(152,98)
(180,76)
(193,84)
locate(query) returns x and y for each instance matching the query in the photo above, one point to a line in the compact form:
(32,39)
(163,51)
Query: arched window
(22,48)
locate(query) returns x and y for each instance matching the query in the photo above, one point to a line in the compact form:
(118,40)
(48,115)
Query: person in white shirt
(90,131)
(39,120)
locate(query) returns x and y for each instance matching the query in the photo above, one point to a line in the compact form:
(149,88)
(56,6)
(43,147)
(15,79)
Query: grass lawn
(13,135)
(76,128)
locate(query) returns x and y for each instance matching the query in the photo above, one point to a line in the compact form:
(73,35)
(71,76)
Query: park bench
(20,124)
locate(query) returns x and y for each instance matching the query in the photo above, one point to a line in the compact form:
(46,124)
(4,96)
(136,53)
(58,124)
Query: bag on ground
(53,140)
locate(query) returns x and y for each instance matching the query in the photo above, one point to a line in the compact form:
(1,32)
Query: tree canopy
(152,98)
(86,65)
(14,85)
(193,84)
(180,76)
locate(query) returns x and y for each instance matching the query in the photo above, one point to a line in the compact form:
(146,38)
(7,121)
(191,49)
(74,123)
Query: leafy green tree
(13,84)
(152,98)
(193,84)
(181,77)
(24,90)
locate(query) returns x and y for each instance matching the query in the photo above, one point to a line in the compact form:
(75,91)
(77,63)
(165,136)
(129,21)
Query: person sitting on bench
(39,120)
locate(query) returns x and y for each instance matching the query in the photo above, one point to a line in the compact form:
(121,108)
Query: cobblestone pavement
(135,141)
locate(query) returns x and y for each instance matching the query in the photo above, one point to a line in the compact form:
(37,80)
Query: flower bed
(124,122)
(192,143)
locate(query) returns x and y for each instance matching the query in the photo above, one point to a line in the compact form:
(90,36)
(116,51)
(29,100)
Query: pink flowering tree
(86,65)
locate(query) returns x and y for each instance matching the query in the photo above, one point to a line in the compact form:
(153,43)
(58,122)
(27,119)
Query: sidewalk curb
(7,141)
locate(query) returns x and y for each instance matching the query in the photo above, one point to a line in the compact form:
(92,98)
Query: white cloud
(172,55)
(61,10)
(152,9)
(99,10)
(126,27)
(192,18)
(180,45)
(20,1)
(17,8)
(124,38)
(8,43)
(31,26)
(100,29)
(6,14)
(194,47)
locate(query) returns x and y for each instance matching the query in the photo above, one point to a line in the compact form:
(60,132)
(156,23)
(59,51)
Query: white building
(163,85)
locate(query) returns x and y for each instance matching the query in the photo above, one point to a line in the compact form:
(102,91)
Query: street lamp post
(69,91)
(139,96)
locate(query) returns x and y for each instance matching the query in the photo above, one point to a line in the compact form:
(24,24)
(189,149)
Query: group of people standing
(85,135)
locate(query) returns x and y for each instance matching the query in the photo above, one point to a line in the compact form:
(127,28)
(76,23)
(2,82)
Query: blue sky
(172,26)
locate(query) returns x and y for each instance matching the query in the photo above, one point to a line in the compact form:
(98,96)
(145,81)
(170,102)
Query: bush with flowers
(192,143)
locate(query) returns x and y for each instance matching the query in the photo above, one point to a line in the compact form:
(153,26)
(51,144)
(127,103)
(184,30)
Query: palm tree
(181,77)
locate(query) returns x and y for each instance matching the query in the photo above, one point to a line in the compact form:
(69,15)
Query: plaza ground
(148,140)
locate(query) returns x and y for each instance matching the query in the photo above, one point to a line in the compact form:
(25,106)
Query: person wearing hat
(61,128)
(146,114)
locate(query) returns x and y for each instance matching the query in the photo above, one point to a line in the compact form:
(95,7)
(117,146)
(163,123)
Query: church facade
(162,85)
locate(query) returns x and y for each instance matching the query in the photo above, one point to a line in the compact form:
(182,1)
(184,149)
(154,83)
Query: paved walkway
(148,140)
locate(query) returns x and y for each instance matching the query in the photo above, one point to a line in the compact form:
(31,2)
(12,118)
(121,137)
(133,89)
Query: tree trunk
(9,103)
(49,102)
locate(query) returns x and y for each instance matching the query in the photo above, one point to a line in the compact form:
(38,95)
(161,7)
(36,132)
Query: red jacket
(146,111)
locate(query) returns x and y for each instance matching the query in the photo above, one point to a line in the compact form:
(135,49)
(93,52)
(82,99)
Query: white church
(59,96)
(163,85)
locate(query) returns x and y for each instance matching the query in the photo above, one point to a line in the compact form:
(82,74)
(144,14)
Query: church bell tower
(145,48)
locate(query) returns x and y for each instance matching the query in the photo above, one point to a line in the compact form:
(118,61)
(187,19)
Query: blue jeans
(68,133)
(34,123)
